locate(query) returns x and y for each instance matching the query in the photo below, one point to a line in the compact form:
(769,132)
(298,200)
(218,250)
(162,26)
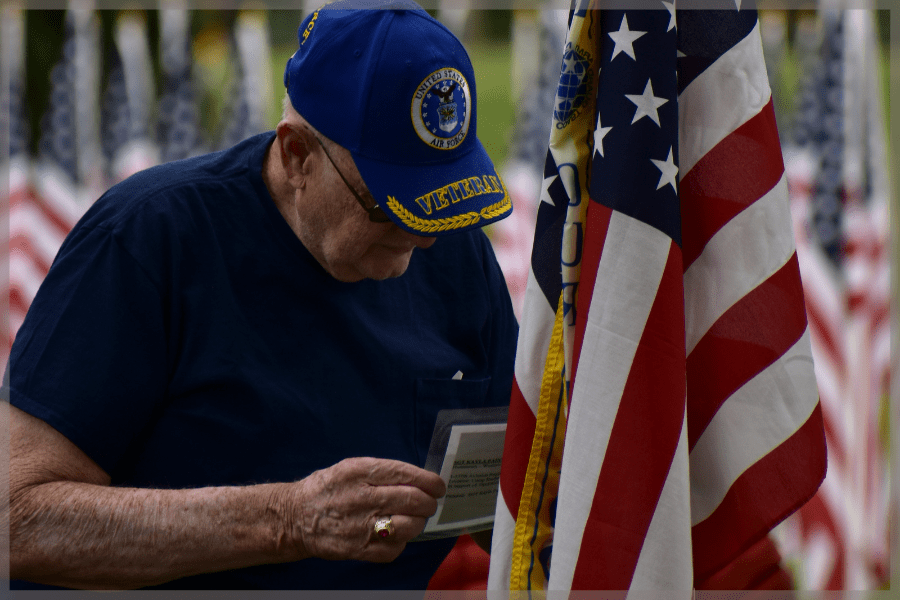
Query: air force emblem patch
(441,109)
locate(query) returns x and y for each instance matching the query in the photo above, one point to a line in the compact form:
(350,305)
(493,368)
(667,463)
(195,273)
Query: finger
(403,500)
(385,471)
(405,528)
(382,551)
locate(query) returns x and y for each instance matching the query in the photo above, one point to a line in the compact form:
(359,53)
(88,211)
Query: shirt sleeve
(90,357)
(504,330)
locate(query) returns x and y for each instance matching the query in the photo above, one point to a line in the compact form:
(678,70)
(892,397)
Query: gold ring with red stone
(384,527)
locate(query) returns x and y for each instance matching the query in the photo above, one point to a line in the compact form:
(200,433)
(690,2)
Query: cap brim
(438,199)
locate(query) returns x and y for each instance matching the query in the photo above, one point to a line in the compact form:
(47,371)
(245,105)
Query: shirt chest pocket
(434,395)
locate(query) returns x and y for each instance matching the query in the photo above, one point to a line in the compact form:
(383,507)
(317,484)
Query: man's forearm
(98,537)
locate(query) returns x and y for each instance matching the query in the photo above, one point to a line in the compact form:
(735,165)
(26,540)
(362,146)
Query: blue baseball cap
(393,86)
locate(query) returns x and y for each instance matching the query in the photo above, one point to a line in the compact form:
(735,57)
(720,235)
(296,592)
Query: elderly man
(232,372)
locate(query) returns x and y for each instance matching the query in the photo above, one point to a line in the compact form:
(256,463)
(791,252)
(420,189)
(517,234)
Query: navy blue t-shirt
(184,337)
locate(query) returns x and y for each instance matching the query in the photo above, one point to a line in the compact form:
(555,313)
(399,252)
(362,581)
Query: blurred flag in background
(88,141)
(666,418)
(251,91)
(178,126)
(15,126)
(538,37)
(839,191)
(129,101)
(49,195)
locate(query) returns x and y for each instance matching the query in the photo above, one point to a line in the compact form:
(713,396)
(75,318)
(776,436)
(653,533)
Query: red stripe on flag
(24,244)
(816,517)
(749,337)
(822,335)
(835,444)
(54,217)
(596,228)
(737,172)
(17,303)
(516,449)
(643,438)
(764,494)
(880,315)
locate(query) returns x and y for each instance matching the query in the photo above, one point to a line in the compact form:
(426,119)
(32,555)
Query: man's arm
(69,527)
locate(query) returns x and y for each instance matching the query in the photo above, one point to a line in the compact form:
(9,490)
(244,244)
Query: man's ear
(296,145)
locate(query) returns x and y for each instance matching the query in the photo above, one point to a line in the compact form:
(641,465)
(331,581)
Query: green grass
(496,113)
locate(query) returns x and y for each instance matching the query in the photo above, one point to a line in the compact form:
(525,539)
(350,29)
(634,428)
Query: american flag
(672,395)
(47,197)
(839,197)
(128,101)
(15,126)
(178,128)
(250,97)
(511,238)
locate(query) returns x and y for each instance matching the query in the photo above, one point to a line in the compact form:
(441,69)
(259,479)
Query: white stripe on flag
(24,276)
(658,568)
(776,402)
(68,201)
(29,221)
(538,326)
(616,318)
(721,99)
(733,263)
(501,546)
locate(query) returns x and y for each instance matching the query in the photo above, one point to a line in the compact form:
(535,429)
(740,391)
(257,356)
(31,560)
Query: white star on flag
(669,171)
(624,39)
(545,189)
(670,6)
(647,104)
(599,134)
(570,64)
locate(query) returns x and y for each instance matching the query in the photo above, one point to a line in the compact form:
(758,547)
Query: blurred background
(91,96)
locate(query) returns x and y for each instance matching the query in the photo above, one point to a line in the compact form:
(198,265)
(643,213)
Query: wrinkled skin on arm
(69,527)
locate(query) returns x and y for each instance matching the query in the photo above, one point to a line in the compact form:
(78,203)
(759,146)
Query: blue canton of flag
(178,129)
(115,114)
(249,98)
(240,124)
(18,125)
(548,232)
(827,140)
(57,142)
(635,170)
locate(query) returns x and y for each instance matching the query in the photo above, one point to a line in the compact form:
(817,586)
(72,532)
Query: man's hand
(332,512)
(69,527)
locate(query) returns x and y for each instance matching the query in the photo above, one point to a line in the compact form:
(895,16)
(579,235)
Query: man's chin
(379,267)
(387,268)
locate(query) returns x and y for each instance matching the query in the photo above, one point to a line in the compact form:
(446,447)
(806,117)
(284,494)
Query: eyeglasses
(376,215)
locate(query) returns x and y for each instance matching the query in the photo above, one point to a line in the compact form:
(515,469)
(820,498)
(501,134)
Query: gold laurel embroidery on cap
(497,209)
(447,223)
